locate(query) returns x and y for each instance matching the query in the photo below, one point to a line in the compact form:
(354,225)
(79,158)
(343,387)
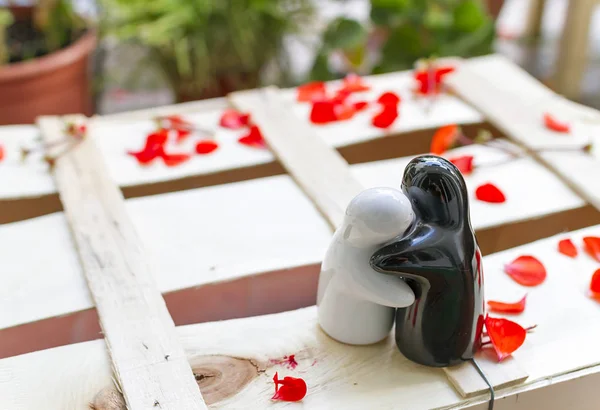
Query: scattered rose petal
(567,247)
(386,117)
(1,152)
(145,156)
(206,146)
(526,270)
(234,119)
(354,83)
(444,138)
(344,111)
(592,246)
(254,138)
(172,160)
(503,307)
(429,81)
(153,148)
(555,125)
(76,130)
(182,134)
(506,336)
(595,285)
(323,112)
(389,98)
(464,163)
(360,105)
(313,91)
(340,97)
(292,388)
(490,193)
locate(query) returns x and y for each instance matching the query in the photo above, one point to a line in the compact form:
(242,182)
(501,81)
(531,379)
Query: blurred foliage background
(209,48)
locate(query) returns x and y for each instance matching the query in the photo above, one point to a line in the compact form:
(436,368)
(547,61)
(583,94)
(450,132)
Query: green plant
(400,32)
(199,44)
(50,26)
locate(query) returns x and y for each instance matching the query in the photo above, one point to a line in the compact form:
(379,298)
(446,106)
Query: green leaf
(436,18)
(320,69)
(388,12)
(469,16)
(404,44)
(477,43)
(343,33)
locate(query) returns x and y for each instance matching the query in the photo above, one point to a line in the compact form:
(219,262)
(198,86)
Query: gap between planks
(326,179)
(149,362)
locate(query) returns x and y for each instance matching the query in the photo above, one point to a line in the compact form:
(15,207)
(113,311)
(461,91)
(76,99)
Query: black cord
(485,379)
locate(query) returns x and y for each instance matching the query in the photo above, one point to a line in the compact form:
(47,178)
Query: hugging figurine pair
(409,256)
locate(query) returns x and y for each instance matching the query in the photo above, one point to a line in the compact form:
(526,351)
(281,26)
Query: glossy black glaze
(440,260)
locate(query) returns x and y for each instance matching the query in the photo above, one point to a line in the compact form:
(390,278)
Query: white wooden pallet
(279,237)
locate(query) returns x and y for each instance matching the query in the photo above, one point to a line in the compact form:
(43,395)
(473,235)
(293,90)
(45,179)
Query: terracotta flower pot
(55,84)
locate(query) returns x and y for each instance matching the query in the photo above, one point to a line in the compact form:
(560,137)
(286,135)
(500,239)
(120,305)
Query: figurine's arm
(385,290)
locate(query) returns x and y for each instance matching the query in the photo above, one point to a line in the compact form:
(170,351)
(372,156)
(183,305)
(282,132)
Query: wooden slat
(326,178)
(521,121)
(319,169)
(149,363)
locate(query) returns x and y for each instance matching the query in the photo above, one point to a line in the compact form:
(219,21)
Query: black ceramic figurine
(439,259)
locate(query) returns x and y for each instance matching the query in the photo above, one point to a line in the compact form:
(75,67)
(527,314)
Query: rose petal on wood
(503,307)
(592,246)
(490,193)
(567,247)
(444,138)
(526,270)
(555,125)
(506,336)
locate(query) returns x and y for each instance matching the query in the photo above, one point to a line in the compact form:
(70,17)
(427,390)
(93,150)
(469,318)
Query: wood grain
(148,361)
(319,169)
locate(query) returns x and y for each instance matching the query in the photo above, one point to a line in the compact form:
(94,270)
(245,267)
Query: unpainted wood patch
(219,377)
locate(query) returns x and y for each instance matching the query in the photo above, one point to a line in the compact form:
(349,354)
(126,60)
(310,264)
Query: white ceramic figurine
(356,305)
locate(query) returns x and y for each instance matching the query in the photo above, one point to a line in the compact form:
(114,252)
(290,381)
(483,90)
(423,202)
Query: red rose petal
(312,91)
(490,193)
(444,138)
(506,336)
(344,111)
(340,97)
(182,134)
(354,83)
(553,124)
(429,81)
(323,112)
(172,160)
(389,98)
(206,146)
(526,270)
(158,137)
(1,152)
(503,307)
(360,105)
(292,388)
(145,156)
(592,246)
(567,247)
(253,139)
(234,119)
(386,117)
(595,284)
(153,147)
(464,163)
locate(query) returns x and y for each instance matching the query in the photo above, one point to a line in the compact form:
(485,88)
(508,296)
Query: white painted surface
(352,377)
(117,136)
(270,224)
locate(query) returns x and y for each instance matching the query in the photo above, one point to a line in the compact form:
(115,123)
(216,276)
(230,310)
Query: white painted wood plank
(149,363)
(319,170)
(516,104)
(563,349)
(276,227)
(124,132)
